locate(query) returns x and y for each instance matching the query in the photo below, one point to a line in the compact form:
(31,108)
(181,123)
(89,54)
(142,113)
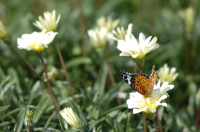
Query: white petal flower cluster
(148,105)
(110,24)
(36,41)
(3,31)
(167,74)
(49,21)
(131,47)
(70,116)
(120,33)
(99,35)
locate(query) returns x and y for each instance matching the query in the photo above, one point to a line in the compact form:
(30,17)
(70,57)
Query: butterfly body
(140,82)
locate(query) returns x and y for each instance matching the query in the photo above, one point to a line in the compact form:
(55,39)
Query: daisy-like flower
(167,74)
(98,37)
(3,31)
(131,47)
(70,116)
(148,105)
(110,24)
(120,34)
(36,41)
(188,16)
(49,21)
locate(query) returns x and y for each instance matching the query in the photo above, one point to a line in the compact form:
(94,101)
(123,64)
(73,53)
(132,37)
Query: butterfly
(141,82)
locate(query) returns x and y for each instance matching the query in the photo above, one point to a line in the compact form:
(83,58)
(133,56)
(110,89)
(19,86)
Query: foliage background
(94,92)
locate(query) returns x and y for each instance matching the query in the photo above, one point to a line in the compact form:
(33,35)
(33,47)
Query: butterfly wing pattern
(138,82)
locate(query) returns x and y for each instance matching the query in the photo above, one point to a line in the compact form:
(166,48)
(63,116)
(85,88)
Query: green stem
(145,122)
(29,127)
(155,126)
(30,66)
(159,121)
(65,71)
(84,26)
(49,87)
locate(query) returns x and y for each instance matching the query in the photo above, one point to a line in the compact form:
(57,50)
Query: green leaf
(48,121)
(78,61)
(3,108)
(110,121)
(115,108)
(61,123)
(20,120)
(33,90)
(10,113)
(41,106)
(93,123)
(118,126)
(99,85)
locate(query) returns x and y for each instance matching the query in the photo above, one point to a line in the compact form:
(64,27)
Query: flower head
(120,34)
(167,74)
(49,21)
(70,116)
(148,105)
(131,47)
(37,41)
(188,16)
(29,115)
(110,24)
(98,37)
(3,31)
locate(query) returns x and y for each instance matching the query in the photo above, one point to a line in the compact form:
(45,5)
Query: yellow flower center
(39,49)
(140,56)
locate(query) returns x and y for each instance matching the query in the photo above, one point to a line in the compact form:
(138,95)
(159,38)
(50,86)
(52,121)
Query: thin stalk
(29,127)
(84,26)
(49,87)
(155,126)
(112,79)
(145,122)
(30,66)
(159,121)
(65,70)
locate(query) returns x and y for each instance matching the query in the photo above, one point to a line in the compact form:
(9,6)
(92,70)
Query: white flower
(167,74)
(131,47)
(3,31)
(36,41)
(148,105)
(70,116)
(110,24)
(188,16)
(98,37)
(49,21)
(120,34)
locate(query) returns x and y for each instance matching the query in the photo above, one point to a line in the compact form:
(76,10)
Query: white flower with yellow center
(120,34)
(70,116)
(49,21)
(131,47)
(36,41)
(110,24)
(3,31)
(98,37)
(139,103)
(167,74)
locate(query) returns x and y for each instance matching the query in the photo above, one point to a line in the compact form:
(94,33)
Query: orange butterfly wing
(141,83)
